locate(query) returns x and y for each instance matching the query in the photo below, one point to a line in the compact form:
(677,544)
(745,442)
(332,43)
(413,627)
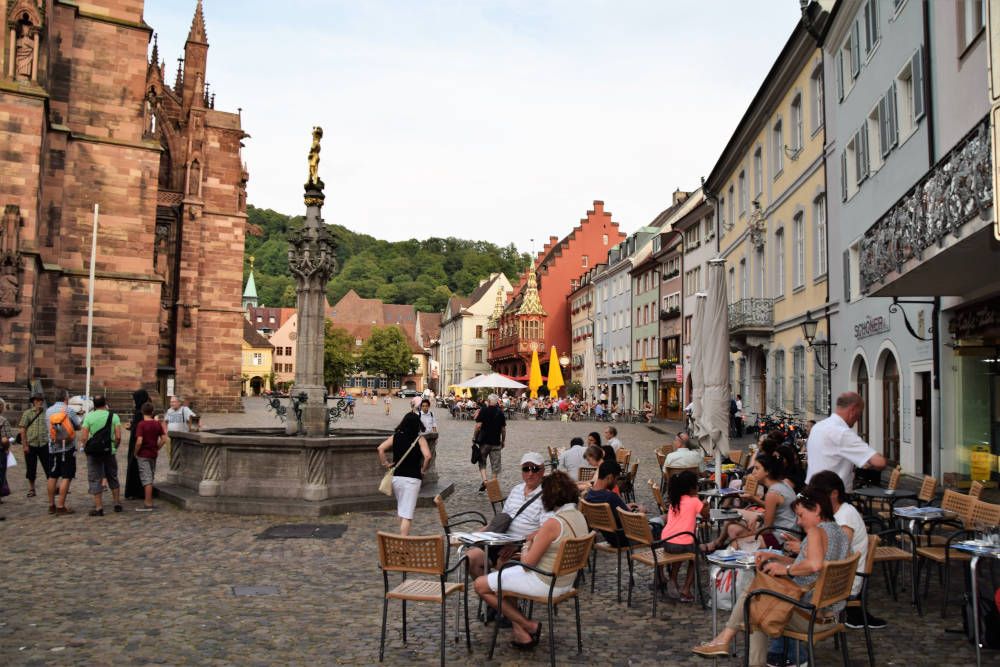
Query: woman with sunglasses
(824,541)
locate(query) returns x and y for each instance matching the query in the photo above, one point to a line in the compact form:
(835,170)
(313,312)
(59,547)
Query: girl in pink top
(683,508)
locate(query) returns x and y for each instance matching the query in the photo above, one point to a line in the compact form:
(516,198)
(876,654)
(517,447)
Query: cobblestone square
(158,588)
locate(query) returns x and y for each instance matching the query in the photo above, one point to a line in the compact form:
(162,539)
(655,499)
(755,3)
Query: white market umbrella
(698,432)
(715,365)
(589,372)
(492,381)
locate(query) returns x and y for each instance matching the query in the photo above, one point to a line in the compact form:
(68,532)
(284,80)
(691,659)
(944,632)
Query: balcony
(751,315)
(669,313)
(936,240)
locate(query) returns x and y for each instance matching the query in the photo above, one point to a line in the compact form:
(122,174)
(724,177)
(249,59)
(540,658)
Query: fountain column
(311,260)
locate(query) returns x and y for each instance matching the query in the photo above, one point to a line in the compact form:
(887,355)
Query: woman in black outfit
(412,456)
(133,485)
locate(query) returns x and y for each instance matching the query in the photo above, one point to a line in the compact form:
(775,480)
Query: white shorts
(518,580)
(406,490)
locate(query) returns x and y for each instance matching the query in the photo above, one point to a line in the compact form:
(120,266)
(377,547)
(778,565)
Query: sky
(495,121)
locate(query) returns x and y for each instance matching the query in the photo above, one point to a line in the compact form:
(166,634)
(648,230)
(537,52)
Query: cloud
(500,121)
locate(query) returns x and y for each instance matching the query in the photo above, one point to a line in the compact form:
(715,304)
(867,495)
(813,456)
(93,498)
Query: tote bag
(385,486)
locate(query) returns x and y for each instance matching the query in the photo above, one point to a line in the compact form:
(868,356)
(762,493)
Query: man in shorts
(102,466)
(490,433)
(148,441)
(62,453)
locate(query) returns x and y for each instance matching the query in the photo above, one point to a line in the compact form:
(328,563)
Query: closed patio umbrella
(589,372)
(534,375)
(697,378)
(555,373)
(715,365)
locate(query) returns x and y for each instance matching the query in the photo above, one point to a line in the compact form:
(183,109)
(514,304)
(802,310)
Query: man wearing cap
(523,505)
(35,440)
(490,433)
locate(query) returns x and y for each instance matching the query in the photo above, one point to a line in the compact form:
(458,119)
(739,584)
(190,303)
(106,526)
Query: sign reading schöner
(871,327)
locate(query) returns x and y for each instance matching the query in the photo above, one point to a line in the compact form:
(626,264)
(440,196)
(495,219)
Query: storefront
(669,405)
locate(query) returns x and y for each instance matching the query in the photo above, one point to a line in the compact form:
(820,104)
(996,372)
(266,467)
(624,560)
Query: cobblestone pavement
(157,588)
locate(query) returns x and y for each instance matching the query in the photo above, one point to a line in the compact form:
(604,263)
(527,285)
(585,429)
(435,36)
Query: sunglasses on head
(530,468)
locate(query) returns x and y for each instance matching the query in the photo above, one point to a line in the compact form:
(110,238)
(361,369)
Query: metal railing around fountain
(341,409)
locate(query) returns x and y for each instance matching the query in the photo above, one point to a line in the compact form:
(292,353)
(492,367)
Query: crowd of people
(53,437)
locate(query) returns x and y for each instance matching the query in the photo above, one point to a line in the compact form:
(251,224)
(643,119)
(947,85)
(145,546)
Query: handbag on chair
(768,613)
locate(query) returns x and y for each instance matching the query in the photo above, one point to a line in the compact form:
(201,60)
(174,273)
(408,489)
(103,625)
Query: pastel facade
(463,346)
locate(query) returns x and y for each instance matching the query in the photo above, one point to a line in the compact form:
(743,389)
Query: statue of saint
(24,52)
(314,158)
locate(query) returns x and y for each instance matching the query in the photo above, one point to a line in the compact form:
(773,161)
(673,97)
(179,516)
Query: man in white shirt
(427,418)
(686,454)
(573,459)
(611,436)
(834,445)
(178,416)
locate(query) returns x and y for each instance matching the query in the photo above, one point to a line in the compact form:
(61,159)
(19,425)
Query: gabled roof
(252,338)
(430,327)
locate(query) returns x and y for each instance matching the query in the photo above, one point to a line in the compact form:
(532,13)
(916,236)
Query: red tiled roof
(252,338)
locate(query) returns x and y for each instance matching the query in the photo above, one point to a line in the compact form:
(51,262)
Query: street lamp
(809,326)
(564,360)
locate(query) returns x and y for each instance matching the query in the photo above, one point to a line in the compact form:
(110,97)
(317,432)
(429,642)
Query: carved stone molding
(11,261)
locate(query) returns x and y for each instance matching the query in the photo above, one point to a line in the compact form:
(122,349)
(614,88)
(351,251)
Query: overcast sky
(500,121)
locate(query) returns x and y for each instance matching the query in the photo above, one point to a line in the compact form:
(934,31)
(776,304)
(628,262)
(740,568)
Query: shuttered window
(917,69)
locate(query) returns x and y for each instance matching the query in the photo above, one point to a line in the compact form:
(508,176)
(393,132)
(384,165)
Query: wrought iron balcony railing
(751,314)
(956,189)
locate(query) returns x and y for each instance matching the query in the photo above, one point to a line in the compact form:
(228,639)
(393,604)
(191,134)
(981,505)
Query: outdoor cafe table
(486,541)
(716,496)
(922,515)
(977,549)
(870,493)
(726,561)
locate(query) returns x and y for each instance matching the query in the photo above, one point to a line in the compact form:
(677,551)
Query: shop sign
(679,377)
(871,326)
(976,321)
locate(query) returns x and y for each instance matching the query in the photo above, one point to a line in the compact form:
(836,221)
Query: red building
(559,267)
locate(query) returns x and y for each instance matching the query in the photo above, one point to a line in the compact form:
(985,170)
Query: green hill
(423,273)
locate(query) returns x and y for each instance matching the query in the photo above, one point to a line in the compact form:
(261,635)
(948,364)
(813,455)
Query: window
(722,214)
(816,88)
(604,239)
(709,225)
(798,251)
(260,320)
(278,351)
(288,351)
(585,261)
(887,124)
(638,348)
(692,281)
(271,320)
(779,263)
(797,136)
(687,330)
(758,173)
(730,212)
(848,64)
(743,279)
(819,236)
(778,383)
(479,356)
(258,359)
(873,130)
(357,342)
(761,273)
(672,349)
(672,301)
(778,148)
(479,331)
(744,197)
(799,378)
(909,96)
(852,273)
(861,164)
(972,20)
(692,237)
(821,389)
(871,26)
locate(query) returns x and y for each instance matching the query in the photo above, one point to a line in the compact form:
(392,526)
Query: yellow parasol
(555,373)
(535,375)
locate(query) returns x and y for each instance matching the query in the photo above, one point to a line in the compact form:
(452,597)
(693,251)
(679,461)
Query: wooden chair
(448,522)
(884,507)
(572,557)
(420,555)
(640,538)
(928,488)
(976,490)
(622,456)
(658,497)
(833,586)
(553,461)
(585,473)
(495,495)
(862,599)
(959,503)
(894,547)
(600,518)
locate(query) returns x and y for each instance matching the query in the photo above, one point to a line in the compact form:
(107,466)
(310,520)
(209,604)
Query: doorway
(890,409)
(865,393)
(922,411)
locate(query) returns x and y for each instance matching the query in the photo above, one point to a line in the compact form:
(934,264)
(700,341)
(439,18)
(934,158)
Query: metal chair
(640,538)
(451,521)
(626,483)
(895,546)
(585,473)
(572,557)
(622,456)
(862,600)
(600,518)
(832,586)
(495,495)
(420,555)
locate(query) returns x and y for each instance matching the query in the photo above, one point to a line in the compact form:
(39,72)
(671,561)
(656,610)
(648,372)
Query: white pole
(90,299)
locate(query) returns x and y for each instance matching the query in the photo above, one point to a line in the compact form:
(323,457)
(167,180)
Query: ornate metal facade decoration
(338,410)
(751,314)
(957,188)
(11,262)
(757,226)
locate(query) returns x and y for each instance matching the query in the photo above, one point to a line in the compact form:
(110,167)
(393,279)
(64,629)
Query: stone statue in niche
(194,180)
(10,261)
(24,51)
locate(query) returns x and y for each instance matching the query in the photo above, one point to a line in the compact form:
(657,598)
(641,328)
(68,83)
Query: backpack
(61,431)
(99,444)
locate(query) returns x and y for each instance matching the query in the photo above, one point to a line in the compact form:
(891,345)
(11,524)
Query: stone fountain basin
(265,471)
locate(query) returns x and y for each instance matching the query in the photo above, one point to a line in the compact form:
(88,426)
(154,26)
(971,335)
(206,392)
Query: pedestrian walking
(490,434)
(6,440)
(388,403)
(133,486)
(101,435)
(35,441)
(63,424)
(411,456)
(150,438)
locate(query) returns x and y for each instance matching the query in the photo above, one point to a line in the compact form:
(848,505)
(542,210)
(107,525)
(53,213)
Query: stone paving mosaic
(157,589)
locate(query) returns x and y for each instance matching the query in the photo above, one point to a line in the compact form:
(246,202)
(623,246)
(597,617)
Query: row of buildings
(853,206)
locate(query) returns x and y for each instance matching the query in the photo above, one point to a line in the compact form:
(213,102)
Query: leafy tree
(338,355)
(386,352)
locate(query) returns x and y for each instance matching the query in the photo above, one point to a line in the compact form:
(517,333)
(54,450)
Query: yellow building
(257,362)
(769,193)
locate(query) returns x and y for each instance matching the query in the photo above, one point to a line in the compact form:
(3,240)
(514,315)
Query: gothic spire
(197,33)
(494,320)
(179,79)
(155,58)
(531,304)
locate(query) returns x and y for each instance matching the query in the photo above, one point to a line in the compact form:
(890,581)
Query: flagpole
(90,299)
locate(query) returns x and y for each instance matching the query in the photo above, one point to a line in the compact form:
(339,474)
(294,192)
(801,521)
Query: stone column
(315,487)
(211,472)
(311,260)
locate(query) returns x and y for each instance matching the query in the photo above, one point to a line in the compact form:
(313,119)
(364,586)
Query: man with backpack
(101,434)
(63,424)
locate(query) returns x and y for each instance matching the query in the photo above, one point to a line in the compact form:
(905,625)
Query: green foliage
(386,352)
(422,273)
(338,355)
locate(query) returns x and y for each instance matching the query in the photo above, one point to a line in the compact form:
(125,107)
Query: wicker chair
(862,599)
(572,557)
(953,501)
(600,518)
(640,538)
(448,522)
(626,483)
(495,495)
(883,507)
(585,473)
(661,505)
(420,555)
(976,490)
(622,456)
(895,546)
(834,585)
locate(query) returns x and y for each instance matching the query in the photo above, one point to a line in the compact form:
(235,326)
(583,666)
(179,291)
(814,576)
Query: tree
(338,355)
(387,353)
